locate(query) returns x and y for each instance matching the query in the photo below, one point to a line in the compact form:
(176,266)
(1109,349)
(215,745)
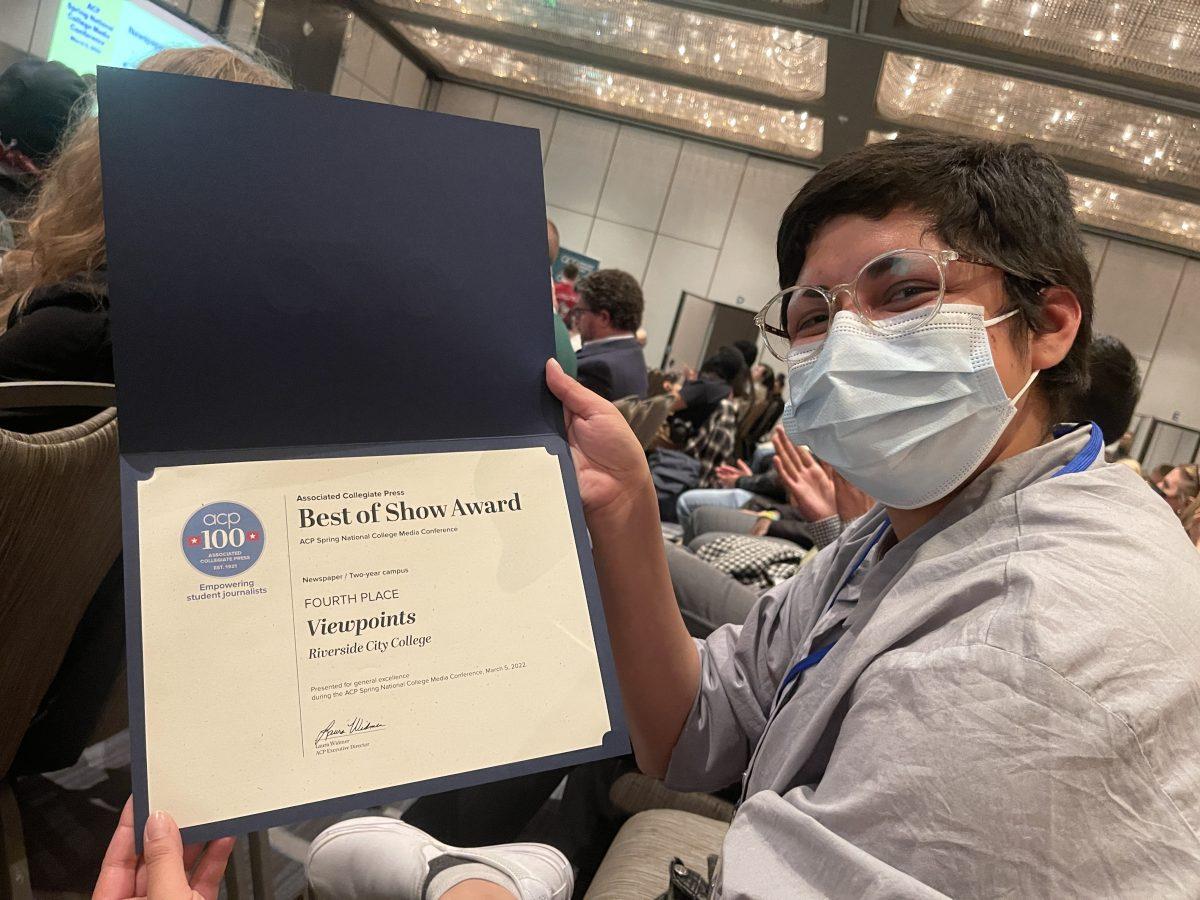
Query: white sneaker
(376,858)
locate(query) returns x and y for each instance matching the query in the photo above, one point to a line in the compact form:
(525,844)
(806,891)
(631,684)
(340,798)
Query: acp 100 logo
(223,539)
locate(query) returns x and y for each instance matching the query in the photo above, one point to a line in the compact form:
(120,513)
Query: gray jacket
(1012,708)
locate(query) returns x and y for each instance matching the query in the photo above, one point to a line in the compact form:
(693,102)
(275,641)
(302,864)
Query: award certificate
(345,625)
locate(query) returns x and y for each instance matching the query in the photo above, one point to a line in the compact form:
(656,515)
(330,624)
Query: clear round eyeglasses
(797,320)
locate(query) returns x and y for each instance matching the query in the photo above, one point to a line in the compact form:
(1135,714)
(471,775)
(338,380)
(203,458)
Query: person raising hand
(809,485)
(728,475)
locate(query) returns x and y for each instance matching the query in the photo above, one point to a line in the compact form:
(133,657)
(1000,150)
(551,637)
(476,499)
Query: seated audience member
(672,382)
(1180,486)
(1190,517)
(743,489)
(819,504)
(734,555)
(565,295)
(702,455)
(762,409)
(708,597)
(700,396)
(58,327)
(749,351)
(609,312)
(1114,385)
(763,378)
(715,444)
(989,684)
(1122,453)
(767,417)
(563,351)
(739,486)
(36,103)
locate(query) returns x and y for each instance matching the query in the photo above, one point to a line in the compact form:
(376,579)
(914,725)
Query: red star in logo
(252,535)
(193,540)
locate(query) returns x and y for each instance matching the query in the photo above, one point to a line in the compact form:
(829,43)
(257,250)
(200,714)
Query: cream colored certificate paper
(317,628)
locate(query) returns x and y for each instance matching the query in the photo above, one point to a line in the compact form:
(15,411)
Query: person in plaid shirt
(715,443)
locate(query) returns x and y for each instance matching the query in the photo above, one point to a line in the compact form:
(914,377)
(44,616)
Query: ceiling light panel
(1136,212)
(1138,140)
(1121,209)
(1159,39)
(780,130)
(764,58)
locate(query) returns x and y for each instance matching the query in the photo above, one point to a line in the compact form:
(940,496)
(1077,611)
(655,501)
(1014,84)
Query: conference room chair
(60,532)
(645,417)
(60,535)
(664,824)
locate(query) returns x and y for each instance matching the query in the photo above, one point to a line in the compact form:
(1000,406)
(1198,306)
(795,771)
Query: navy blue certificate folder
(298,276)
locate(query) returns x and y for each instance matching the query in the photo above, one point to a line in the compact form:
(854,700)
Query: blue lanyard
(1078,463)
(817,655)
(1082,460)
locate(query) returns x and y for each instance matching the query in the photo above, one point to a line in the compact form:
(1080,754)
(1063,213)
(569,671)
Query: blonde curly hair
(63,234)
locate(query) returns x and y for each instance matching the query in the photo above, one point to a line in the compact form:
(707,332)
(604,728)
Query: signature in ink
(357,725)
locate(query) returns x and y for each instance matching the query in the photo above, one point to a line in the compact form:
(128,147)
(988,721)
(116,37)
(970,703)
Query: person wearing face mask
(989,685)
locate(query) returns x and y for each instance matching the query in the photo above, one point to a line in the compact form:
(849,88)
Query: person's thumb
(574,396)
(166,877)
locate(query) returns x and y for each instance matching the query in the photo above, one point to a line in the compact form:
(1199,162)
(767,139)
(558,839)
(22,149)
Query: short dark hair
(748,349)
(1008,204)
(727,364)
(616,292)
(1114,384)
(570,270)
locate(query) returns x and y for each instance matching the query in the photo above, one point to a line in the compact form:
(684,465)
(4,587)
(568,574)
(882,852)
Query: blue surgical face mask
(906,418)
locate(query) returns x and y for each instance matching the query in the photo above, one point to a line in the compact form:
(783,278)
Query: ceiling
(1110,87)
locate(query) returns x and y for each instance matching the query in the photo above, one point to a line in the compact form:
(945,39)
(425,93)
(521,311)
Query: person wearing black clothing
(36,103)
(699,398)
(54,282)
(749,351)
(1114,385)
(61,333)
(763,484)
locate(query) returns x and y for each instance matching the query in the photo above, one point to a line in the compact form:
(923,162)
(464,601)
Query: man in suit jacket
(607,315)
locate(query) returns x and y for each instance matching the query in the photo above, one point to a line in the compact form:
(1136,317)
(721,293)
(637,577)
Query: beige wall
(684,215)
(372,69)
(679,215)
